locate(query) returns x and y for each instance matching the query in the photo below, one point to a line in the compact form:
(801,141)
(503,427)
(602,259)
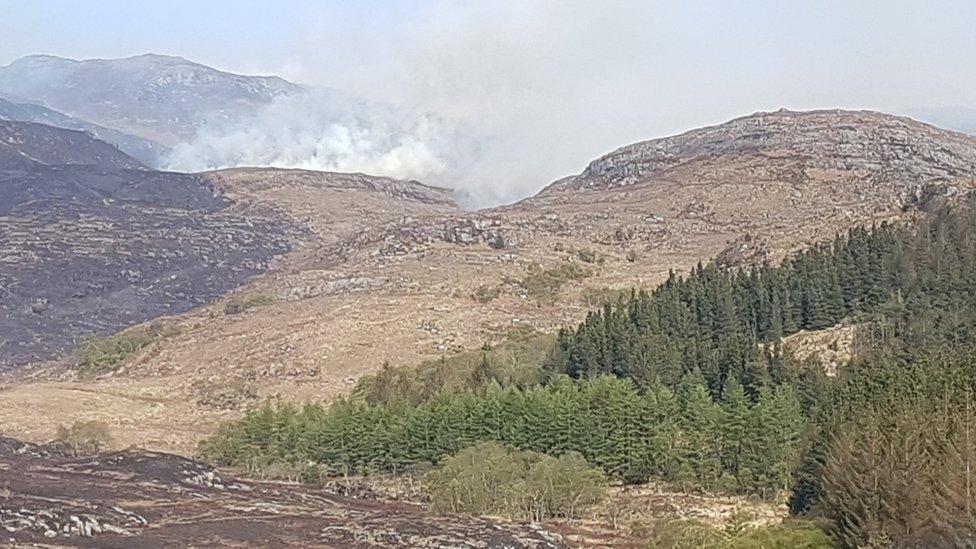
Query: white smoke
(528,92)
(322,130)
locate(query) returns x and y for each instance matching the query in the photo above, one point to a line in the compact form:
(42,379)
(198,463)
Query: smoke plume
(322,130)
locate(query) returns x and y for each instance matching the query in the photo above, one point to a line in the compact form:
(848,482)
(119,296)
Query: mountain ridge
(160,98)
(765,131)
(147,152)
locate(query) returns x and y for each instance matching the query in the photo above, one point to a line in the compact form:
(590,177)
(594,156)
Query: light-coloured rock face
(386,271)
(885,150)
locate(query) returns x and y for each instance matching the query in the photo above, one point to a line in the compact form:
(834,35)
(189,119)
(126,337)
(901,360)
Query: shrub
(239,304)
(85,437)
(563,486)
(489,478)
(485,293)
(103,354)
(544,284)
(587,255)
(598,297)
(514,361)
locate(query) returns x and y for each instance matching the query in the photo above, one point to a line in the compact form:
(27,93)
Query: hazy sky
(550,85)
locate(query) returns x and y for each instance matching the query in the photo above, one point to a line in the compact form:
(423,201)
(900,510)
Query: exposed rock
(147,499)
(881,150)
(745,251)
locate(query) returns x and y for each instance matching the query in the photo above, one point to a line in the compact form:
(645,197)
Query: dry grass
(315,348)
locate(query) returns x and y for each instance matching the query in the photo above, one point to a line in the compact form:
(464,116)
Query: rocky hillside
(143,150)
(25,146)
(155,97)
(92,242)
(885,153)
(392,272)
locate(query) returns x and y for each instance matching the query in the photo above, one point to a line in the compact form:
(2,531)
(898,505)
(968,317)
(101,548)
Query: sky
(543,87)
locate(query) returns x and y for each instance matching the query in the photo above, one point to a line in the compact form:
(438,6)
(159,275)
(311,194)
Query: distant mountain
(156,97)
(143,150)
(175,114)
(958,118)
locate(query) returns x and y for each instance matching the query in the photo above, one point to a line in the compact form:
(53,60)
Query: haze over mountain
(189,117)
(157,97)
(147,152)
(175,114)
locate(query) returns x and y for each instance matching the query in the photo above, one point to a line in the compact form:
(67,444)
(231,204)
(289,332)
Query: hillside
(393,272)
(145,151)
(169,500)
(93,242)
(25,145)
(155,97)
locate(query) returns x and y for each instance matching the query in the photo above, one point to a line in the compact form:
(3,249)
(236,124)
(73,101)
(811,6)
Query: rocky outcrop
(881,149)
(264,180)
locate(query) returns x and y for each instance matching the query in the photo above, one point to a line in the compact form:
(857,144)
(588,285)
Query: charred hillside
(92,242)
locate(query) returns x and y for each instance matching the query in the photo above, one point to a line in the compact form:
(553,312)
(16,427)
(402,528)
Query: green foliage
(513,361)
(489,478)
(597,297)
(544,284)
(239,304)
(629,434)
(85,438)
(103,354)
(688,384)
(717,321)
(897,464)
(587,255)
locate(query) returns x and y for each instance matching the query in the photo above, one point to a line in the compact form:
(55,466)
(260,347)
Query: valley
(382,271)
(264,355)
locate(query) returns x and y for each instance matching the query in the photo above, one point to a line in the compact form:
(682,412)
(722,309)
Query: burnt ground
(94,249)
(145,499)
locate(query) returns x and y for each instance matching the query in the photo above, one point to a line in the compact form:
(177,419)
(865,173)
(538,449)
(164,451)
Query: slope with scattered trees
(688,384)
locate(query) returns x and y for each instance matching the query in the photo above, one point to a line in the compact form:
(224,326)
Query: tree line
(716,321)
(688,383)
(683,435)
